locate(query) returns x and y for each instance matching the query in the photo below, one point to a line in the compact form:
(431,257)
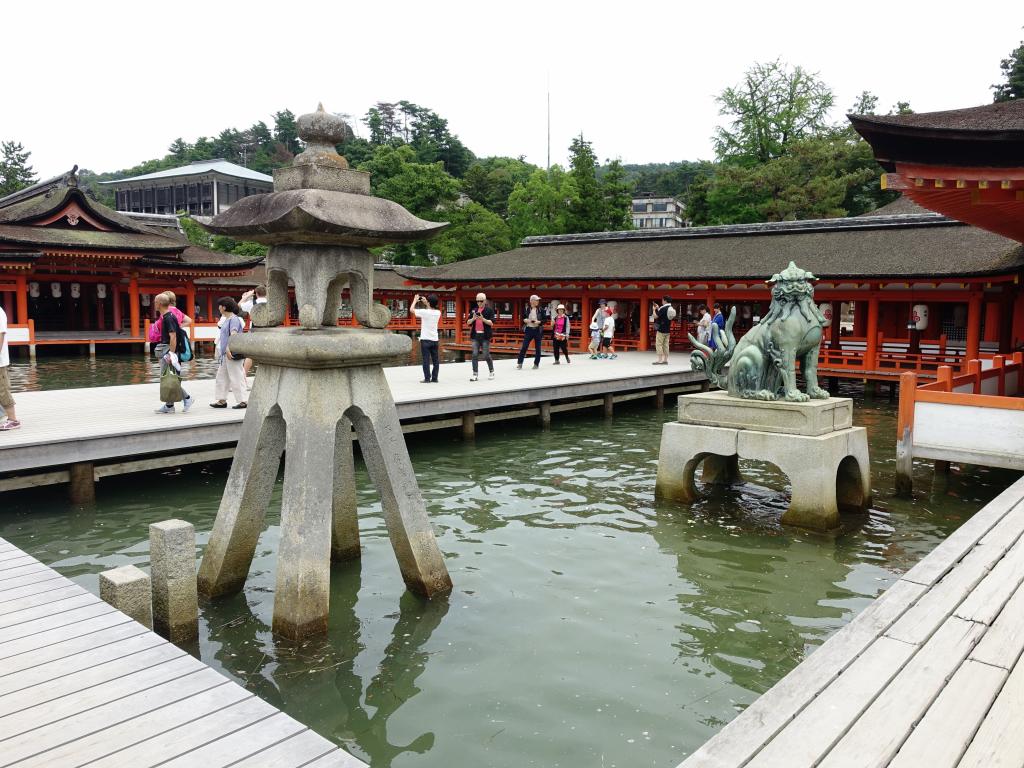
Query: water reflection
(591,624)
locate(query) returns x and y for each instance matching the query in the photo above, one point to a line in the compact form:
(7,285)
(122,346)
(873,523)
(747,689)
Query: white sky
(109,84)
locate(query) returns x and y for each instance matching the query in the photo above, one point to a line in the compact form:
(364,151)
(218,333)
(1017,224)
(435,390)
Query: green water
(590,625)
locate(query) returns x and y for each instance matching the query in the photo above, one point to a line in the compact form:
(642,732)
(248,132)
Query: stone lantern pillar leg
(302,593)
(243,507)
(345,517)
(384,451)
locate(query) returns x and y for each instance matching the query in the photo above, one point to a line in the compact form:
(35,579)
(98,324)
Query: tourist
(156,327)
(171,344)
(425,308)
(230,374)
(608,336)
(704,326)
(10,420)
(560,329)
(250,299)
(481,328)
(533,331)
(662,317)
(598,317)
(718,320)
(595,339)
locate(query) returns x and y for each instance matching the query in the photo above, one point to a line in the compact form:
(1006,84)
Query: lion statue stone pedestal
(762,414)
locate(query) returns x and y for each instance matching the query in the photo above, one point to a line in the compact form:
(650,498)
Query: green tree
(617,191)
(490,181)
(587,211)
(15,172)
(774,106)
(541,205)
(180,150)
(286,132)
(1012,86)
(474,231)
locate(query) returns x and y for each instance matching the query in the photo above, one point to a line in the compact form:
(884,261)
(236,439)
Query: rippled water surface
(590,625)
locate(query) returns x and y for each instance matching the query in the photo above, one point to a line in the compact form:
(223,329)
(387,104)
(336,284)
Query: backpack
(186,348)
(671,312)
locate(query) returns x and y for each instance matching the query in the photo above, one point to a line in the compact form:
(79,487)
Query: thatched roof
(870,247)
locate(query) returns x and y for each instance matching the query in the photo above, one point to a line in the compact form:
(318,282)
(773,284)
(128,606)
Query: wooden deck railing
(975,417)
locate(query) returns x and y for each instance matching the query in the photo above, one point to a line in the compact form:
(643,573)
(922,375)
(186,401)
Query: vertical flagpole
(549,122)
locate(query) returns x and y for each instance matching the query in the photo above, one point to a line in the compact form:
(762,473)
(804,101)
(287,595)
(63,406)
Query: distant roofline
(39,186)
(895,221)
(195,168)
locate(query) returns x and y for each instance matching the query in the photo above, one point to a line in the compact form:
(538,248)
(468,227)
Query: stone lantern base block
(827,472)
(720,409)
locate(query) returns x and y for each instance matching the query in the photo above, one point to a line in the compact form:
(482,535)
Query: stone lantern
(315,383)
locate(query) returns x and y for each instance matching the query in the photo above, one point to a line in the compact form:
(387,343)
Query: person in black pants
(560,330)
(533,330)
(425,308)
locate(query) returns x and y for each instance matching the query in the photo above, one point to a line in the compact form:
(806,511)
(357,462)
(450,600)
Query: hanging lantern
(101,291)
(33,290)
(76,290)
(919,316)
(826,310)
(55,290)
(145,299)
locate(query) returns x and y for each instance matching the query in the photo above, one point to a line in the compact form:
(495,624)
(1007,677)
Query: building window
(639,207)
(660,207)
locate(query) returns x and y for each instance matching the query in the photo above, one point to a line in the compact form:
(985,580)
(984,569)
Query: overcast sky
(107,85)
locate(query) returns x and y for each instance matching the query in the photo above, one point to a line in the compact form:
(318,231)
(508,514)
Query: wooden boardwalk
(928,676)
(82,684)
(116,429)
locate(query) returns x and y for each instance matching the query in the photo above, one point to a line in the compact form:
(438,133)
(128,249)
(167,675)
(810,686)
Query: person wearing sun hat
(560,330)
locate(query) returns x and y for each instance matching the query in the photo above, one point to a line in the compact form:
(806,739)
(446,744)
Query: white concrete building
(652,211)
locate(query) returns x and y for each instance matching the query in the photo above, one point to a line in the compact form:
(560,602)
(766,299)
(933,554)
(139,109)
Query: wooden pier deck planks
(930,674)
(83,684)
(114,424)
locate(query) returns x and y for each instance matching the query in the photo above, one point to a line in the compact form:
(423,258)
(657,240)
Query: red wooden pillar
(9,306)
(133,305)
(992,321)
(837,319)
(871,346)
(101,314)
(585,314)
(116,311)
(460,322)
(973,327)
(21,299)
(209,307)
(645,322)
(190,299)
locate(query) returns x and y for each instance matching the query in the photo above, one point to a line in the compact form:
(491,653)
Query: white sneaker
(165,409)
(490,375)
(188,402)
(473,377)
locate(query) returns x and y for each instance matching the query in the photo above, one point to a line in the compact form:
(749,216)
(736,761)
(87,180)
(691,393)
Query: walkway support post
(659,398)
(82,483)
(609,405)
(905,434)
(544,415)
(469,425)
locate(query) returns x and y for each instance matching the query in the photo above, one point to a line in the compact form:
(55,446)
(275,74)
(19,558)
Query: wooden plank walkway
(930,674)
(65,427)
(83,684)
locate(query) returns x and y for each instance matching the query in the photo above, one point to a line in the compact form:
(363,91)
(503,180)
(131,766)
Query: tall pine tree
(1013,71)
(15,172)
(587,212)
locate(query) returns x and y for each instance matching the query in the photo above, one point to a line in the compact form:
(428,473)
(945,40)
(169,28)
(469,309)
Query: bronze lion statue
(762,365)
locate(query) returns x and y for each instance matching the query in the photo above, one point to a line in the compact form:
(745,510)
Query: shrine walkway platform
(930,674)
(105,431)
(82,683)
